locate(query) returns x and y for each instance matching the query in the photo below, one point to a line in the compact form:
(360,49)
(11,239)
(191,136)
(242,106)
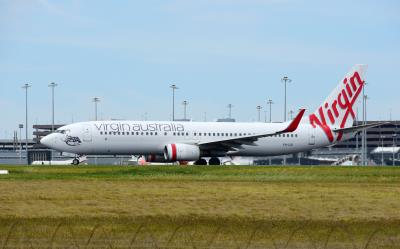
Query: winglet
(295,122)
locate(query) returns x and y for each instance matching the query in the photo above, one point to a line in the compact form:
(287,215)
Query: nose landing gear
(75,161)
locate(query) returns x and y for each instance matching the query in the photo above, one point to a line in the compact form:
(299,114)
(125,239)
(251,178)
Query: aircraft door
(311,138)
(87,134)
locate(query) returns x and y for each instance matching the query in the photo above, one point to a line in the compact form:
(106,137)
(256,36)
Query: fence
(195,234)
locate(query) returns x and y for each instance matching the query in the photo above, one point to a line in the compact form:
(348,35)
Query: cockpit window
(61,131)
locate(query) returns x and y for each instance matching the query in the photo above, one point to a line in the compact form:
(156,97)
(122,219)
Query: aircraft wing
(360,127)
(237,142)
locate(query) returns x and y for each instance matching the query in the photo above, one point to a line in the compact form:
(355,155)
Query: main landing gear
(201,161)
(212,161)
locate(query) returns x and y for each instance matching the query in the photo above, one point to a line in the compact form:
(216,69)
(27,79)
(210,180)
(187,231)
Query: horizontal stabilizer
(360,127)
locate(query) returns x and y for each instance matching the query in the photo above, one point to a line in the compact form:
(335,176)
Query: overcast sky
(216,51)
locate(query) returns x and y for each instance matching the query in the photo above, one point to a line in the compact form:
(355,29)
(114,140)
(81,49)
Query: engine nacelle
(181,152)
(155,159)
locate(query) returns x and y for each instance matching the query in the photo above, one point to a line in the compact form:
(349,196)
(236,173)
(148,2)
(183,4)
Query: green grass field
(200,207)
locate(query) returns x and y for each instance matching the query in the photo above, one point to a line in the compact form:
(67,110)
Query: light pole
(173,87)
(26,86)
(382,137)
(291,114)
(394,145)
(230,110)
(184,103)
(95,100)
(285,80)
(364,145)
(258,111)
(52,85)
(357,123)
(364,140)
(20,126)
(270,103)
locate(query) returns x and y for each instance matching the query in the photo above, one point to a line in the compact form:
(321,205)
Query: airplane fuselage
(147,137)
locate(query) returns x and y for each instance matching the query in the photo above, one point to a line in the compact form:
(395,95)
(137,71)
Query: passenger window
(155,133)
(137,133)
(151,133)
(165,133)
(226,134)
(205,134)
(101,133)
(235,134)
(240,134)
(123,133)
(187,133)
(174,134)
(213,134)
(194,134)
(142,133)
(222,134)
(231,134)
(209,134)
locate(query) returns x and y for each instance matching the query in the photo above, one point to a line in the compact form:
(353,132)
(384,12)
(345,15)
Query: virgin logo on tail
(337,112)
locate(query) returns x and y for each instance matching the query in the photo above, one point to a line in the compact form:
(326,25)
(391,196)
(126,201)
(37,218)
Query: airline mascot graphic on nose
(72,141)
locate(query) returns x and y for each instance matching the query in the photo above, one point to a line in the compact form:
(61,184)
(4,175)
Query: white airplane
(166,141)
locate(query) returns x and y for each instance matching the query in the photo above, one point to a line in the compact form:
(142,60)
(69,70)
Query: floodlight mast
(270,103)
(173,87)
(285,80)
(26,86)
(258,112)
(184,103)
(230,110)
(52,85)
(96,100)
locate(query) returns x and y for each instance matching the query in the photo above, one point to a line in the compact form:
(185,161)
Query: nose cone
(45,141)
(48,141)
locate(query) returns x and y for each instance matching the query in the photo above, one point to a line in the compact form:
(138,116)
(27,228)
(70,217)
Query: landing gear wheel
(214,161)
(75,161)
(201,161)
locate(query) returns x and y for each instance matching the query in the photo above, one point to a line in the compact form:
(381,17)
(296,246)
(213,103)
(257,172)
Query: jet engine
(181,152)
